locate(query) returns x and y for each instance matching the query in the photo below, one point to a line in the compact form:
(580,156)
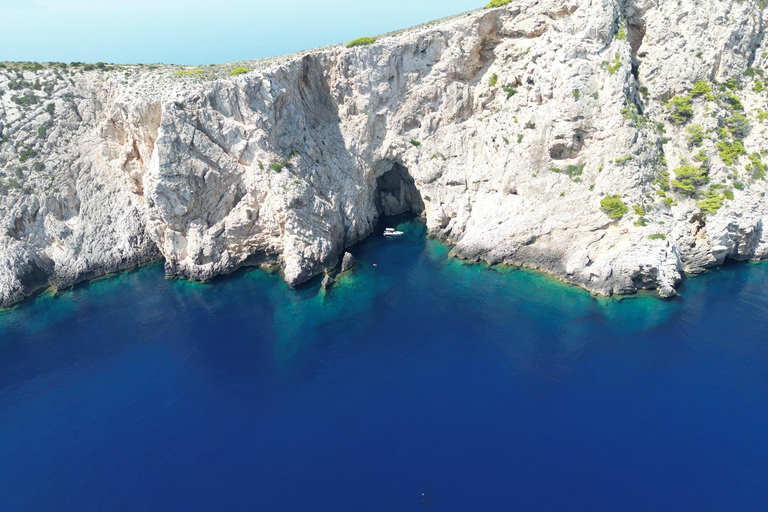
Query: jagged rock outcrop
(348,262)
(513,131)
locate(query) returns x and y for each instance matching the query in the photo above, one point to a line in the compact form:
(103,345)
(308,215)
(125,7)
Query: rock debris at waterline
(536,134)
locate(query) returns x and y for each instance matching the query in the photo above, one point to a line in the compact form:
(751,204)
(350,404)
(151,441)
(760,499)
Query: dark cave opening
(396,193)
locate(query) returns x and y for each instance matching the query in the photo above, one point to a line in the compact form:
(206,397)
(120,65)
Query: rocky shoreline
(614,145)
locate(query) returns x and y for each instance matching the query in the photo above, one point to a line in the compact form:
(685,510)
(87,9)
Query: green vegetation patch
(681,109)
(695,135)
(187,72)
(756,166)
(688,178)
(614,206)
(612,67)
(730,150)
(658,236)
(497,3)
(361,41)
(702,88)
(239,71)
(571,171)
(712,202)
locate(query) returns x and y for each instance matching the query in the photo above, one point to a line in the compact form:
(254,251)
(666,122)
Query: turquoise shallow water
(421,382)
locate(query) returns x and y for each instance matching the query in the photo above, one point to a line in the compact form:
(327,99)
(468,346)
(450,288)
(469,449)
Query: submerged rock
(327,282)
(538,134)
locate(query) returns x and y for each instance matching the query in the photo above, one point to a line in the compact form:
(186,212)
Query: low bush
(701,88)
(711,202)
(497,3)
(658,236)
(510,92)
(571,171)
(689,177)
(756,166)
(695,135)
(239,71)
(361,41)
(614,206)
(730,150)
(185,72)
(682,109)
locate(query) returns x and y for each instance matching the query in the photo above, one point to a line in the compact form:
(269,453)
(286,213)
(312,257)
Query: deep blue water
(484,389)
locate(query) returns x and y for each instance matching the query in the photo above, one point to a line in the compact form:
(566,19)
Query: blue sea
(421,383)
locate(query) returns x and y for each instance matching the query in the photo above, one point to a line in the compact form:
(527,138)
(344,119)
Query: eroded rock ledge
(514,131)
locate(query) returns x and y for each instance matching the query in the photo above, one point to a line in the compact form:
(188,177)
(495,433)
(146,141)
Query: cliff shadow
(396,192)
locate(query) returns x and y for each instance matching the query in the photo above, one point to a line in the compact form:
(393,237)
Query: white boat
(392,232)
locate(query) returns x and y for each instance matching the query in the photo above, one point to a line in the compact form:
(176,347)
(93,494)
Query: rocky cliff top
(616,145)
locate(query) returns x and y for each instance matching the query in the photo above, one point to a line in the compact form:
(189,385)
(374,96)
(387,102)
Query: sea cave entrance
(396,193)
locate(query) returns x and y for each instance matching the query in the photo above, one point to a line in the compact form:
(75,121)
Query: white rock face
(504,127)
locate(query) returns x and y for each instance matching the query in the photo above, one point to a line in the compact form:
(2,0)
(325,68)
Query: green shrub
(711,202)
(415,143)
(576,94)
(730,150)
(612,67)
(239,71)
(662,180)
(361,41)
(621,35)
(658,236)
(510,91)
(494,80)
(613,206)
(25,154)
(695,135)
(571,171)
(50,108)
(630,112)
(623,159)
(688,178)
(277,167)
(497,3)
(738,124)
(641,222)
(733,100)
(701,88)
(26,100)
(185,72)
(701,156)
(756,166)
(758,87)
(682,109)
(639,210)
(520,138)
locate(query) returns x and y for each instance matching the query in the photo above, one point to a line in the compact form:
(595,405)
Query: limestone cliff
(616,145)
